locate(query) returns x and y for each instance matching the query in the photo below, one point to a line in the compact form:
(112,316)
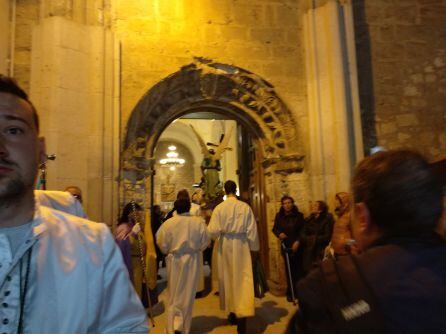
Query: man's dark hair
(285,197)
(230,187)
(129,208)
(402,193)
(9,85)
(322,206)
(183,194)
(182,205)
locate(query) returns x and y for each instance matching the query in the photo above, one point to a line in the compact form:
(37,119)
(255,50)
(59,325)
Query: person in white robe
(182,237)
(195,210)
(234,223)
(60,200)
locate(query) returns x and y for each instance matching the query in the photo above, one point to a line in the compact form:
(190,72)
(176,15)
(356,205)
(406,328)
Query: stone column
(334,121)
(5,43)
(74,71)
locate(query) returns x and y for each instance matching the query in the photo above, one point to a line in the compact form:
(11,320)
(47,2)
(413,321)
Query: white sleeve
(253,236)
(121,309)
(162,239)
(79,210)
(205,238)
(214,228)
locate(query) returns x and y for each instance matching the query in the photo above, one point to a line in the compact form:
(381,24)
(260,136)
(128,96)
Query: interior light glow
(172,154)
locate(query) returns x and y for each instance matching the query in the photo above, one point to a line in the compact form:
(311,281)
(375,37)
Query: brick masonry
(159,37)
(401,47)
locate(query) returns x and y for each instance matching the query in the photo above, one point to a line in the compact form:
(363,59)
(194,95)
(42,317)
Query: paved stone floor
(272,314)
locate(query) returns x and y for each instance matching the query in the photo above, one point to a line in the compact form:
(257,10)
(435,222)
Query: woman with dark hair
(131,241)
(287,227)
(316,235)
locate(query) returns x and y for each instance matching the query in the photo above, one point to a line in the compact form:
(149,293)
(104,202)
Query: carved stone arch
(223,88)
(251,101)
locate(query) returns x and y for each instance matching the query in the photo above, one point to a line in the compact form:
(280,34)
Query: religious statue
(210,166)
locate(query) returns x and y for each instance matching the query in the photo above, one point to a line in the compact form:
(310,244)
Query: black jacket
(408,278)
(291,224)
(315,236)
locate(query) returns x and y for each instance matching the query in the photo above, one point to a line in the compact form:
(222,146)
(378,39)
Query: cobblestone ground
(272,314)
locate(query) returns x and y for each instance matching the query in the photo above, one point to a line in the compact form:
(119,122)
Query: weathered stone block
(407,120)
(389,127)
(268,36)
(411,91)
(23,34)
(249,14)
(404,13)
(231,33)
(403,137)
(287,16)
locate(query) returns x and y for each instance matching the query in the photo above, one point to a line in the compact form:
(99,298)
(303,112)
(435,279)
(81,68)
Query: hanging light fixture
(172,159)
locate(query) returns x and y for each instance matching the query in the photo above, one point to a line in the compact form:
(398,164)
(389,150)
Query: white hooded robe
(182,238)
(234,223)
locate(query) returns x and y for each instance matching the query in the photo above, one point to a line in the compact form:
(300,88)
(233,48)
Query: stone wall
(401,48)
(72,87)
(5,26)
(264,37)
(27,15)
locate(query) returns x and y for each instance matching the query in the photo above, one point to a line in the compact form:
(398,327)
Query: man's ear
(362,214)
(42,150)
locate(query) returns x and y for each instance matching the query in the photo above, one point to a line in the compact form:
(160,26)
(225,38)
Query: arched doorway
(240,95)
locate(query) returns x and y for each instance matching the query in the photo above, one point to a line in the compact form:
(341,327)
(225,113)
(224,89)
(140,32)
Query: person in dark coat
(316,235)
(287,227)
(397,205)
(157,220)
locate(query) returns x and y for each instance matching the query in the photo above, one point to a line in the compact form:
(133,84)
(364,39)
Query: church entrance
(179,157)
(210,100)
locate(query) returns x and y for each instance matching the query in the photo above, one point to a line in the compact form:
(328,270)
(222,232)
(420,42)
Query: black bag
(350,298)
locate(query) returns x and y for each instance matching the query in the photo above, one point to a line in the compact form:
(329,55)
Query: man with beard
(58,273)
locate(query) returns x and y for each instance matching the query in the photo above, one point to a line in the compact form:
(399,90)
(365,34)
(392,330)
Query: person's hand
(282,236)
(136,229)
(295,246)
(122,231)
(354,249)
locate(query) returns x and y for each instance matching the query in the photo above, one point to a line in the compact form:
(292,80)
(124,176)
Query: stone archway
(225,89)
(230,89)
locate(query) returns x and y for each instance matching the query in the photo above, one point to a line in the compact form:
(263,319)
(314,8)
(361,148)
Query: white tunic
(77,281)
(182,237)
(195,210)
(234,222)
(60,200)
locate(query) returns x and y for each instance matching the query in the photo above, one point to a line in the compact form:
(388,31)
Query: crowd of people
(378,268)
(181,238)
(307,241)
